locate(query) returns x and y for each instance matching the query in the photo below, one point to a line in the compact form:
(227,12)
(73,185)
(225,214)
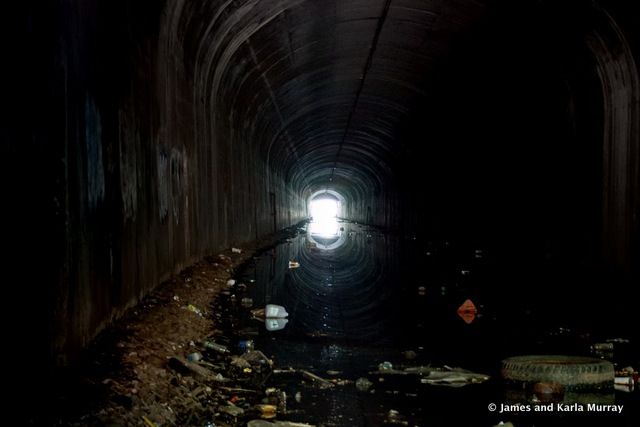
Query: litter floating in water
(618,340)
(294,264)
(275,311)
(275,324)
(624,384)
(363,384)
(320,382)
(232,410)
(385,366)
(602,346)
(454,378)
(267,411)
(467,311)
(548,391)
(245,345)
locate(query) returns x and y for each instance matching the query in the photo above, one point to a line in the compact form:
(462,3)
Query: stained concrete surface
(139,138)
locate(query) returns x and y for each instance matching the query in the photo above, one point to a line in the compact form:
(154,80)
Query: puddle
(364,297)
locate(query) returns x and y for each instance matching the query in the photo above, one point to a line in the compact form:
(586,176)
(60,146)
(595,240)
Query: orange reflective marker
(467,311)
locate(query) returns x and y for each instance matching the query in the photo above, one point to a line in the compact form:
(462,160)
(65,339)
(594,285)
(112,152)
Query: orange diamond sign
(467,311)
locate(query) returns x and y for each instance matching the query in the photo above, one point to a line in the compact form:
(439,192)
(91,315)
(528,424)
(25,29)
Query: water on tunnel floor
(364,297)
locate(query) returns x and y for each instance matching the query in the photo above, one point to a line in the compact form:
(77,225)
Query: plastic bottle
(216,347)
(275,324)
(275,311)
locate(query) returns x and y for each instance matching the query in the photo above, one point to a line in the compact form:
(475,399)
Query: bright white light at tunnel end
(324,217)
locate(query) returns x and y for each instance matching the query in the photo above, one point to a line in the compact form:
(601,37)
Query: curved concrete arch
(620,82)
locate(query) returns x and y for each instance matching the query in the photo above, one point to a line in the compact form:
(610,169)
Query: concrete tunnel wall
(159,173)
(141,136)
(143,168)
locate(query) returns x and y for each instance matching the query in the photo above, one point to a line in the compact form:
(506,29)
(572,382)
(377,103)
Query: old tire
(574,372)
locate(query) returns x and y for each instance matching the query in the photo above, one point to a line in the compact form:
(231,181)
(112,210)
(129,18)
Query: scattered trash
(320,382)
(246,302)
(258,313)
(548,391)
(363,384)
(275,311)
(216,347)
(629,371)
(263,423)
(236,250)
(503,424)
(176,298)
(259,423)
(294,264)
(245,345)
(394,417)
(626,384)
(298,397)
(275,324)
(277,397)
(626,388)
(194,309)
(232,410)
(467,311)
(623,380)
(240,363)
(231,282)
(185,367)
(602,346)
(257,358)
(333,373)
(267,411)
(605,350)
(587,373)
(285,371)
(422,291)
(454,378)
(618,340)
(385,366)
(148,422)
(194,357)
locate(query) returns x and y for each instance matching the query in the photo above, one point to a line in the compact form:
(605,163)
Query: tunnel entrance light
(324,217)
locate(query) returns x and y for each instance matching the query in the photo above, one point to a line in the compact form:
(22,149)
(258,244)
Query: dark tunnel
(139,138)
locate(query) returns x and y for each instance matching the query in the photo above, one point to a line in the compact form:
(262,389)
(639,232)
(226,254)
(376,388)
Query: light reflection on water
(324,227)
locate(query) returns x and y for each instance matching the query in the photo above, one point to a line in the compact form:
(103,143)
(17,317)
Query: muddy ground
(137,374)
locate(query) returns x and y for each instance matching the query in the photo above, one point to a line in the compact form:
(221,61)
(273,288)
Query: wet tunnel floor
(366,297)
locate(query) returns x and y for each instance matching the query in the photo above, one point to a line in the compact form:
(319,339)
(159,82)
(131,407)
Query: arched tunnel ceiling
(319,85)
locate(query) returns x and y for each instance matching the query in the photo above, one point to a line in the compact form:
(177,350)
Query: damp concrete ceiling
(321,86)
